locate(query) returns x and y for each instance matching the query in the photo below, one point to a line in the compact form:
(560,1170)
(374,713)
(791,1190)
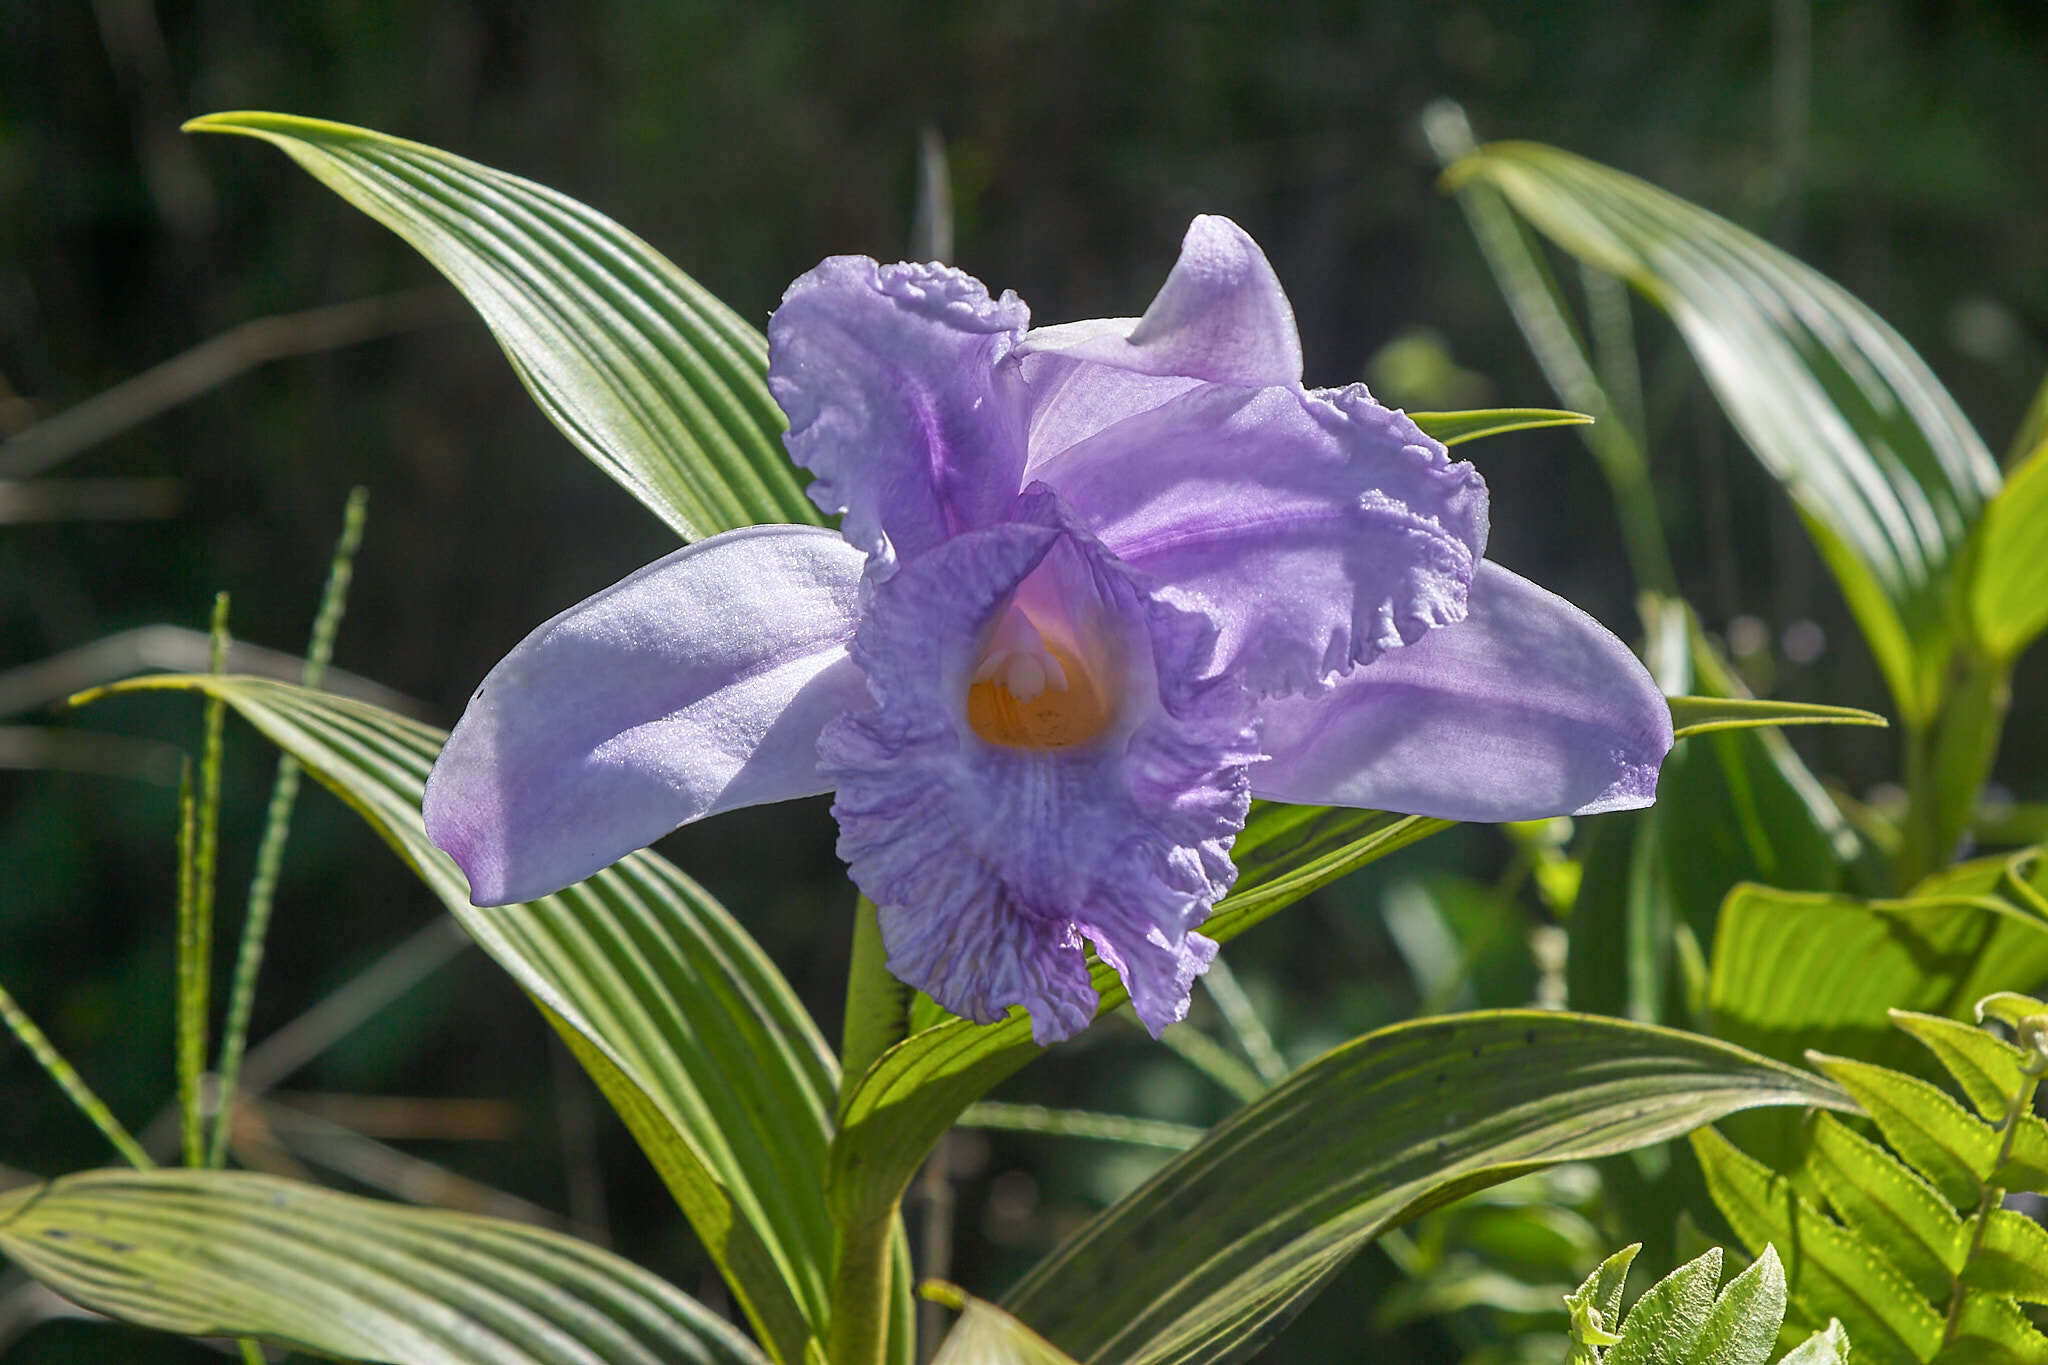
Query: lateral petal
(1317,528)
(1527,709)
(696,685)
(1221,316)
(888,375)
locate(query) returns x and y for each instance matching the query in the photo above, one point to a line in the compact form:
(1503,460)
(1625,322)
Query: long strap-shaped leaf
(1368,1135)
(920,1087)
(687,1026)
(647,372)
(216,1253)
(1887,472)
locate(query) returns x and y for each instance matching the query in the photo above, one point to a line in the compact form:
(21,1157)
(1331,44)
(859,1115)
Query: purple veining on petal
(898,401)
(1124,839)
(1318,528)
(1529,708)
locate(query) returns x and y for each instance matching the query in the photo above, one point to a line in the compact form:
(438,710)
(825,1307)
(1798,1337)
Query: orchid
(1097,586)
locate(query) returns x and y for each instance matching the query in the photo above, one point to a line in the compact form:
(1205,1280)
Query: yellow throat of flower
(1036,694)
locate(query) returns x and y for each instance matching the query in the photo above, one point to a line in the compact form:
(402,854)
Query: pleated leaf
(221,1253)
(1364,1138)
(1793,970)
(1888,474)
(687,1027)
(906,1102)
(653,378)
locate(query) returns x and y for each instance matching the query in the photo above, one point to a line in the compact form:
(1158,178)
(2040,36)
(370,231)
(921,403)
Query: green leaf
(1869,1190)
(653,378)
(2008,590)
(1828,1346)
(1887,473)
(1703,715)
(890,1119)
(986,1335)
(1455,428)
(219,1253)
(1667,1320)
(1744,1325)
(2011,1258)
(1987,1068)
(1936,1136)
(1793,970)
(1831,1270)
(1732,807)
(1364,1138)
(1993,1331)
(1601,1291)
(685,1024)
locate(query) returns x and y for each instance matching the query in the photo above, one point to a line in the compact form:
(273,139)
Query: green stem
(877,1004)
(1947,761)
(199,858)
(277,825)
(72,1084)
(863,1285)
(1992,1197)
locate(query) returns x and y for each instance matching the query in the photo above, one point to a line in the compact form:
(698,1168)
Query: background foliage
(746,143)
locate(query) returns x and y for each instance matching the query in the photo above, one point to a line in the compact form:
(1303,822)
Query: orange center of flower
(1038,696)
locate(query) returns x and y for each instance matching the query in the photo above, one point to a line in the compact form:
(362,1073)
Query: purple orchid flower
(1099,585)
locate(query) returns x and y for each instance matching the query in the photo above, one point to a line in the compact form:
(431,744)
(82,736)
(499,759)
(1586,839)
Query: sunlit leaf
(653,378)
(1888,474)
(685,1024)
(1743,1326)
(217,1253)
(1828,1346)
(1668,1318)
(2009,573)
(1360,1140)
(1703,715)
(1871,1190)
(1936,1136)
(1987,1068)
(2010,1258)
(1831,1270)
(1454,428)
(1794,970)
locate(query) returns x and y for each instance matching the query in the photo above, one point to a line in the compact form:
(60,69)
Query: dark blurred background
(1897,146)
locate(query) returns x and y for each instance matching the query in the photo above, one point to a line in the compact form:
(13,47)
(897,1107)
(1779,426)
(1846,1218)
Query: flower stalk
(877,1018)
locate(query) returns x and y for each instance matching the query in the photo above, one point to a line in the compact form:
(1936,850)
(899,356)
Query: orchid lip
(1034,690)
